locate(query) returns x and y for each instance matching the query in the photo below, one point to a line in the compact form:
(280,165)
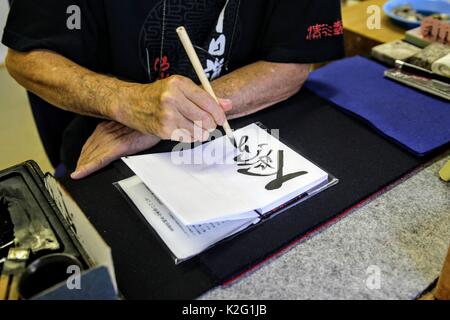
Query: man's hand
(158,108)
(110,141)
(174,108)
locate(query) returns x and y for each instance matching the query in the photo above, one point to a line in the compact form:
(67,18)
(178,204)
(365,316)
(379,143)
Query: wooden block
(355,20)
(14,289)
(4,286)
(445,172)
(443,286)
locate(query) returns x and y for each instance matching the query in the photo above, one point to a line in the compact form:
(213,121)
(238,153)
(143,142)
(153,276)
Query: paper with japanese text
(217,182)
(183,241)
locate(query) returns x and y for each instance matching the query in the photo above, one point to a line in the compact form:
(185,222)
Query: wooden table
(359,39)
(442,289)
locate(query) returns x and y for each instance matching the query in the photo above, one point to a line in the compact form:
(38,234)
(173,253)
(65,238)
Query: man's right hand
(174,108)
(167,108)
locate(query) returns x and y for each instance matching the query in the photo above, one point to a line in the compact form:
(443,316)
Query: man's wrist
(123,102)
(135,106)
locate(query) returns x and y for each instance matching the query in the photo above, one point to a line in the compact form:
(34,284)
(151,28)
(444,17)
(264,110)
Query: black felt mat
(363,161)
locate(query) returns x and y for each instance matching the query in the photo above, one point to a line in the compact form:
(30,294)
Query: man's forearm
(74,88)
(166,108)
(64,83)
(260,85)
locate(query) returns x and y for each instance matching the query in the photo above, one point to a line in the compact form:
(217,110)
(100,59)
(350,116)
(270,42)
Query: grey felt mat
(405,233)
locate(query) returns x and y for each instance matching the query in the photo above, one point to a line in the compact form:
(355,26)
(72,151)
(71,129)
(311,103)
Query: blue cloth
(418,121)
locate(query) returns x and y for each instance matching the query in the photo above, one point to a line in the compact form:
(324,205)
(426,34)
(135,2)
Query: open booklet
(194,198)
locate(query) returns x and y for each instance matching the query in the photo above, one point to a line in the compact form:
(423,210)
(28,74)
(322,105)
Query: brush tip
(233,142)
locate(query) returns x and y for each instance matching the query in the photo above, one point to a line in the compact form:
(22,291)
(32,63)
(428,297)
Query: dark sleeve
(303,31)
(44,24)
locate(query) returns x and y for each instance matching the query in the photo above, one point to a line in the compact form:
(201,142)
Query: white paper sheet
(267,173)
(183,241)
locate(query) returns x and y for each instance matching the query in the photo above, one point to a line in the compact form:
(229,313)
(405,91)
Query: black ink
(6,225)
(263,163)
(247,162)
(248,173)
(280,179)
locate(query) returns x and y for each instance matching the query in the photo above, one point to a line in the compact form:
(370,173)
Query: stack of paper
(196,197)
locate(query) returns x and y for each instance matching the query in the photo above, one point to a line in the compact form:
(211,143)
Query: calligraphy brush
(195,61)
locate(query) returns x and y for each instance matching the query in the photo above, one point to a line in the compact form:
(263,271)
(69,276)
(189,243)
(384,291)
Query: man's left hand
(110,141)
